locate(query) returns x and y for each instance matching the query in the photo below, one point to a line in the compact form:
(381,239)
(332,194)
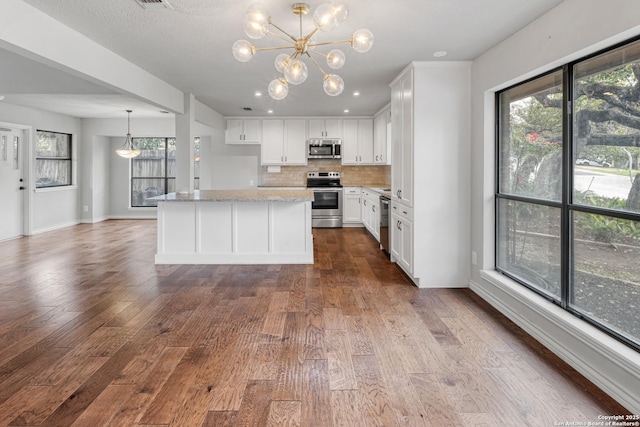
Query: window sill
(54,189)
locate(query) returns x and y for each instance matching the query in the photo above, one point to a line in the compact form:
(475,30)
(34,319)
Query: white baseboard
(151,215)
(94,220)
(55,227)
(606,362)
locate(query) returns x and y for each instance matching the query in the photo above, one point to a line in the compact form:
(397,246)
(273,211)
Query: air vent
(154,4)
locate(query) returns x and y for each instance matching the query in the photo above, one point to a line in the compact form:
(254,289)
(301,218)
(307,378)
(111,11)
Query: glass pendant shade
(362,40)
(281,62)
(127,150)
(243,50)
(296,72)
(336,59)
(278,89)
(324,18)
(340,10)
(333,84)
(255,30)
(257,13)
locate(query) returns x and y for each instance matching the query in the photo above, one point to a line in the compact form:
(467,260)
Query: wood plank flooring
(93,333)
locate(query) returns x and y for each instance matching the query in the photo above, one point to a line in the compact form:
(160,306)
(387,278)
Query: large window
(53,159)
(568,188)
(153,171)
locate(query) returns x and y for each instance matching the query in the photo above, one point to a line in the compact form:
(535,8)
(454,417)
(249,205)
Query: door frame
(27,172)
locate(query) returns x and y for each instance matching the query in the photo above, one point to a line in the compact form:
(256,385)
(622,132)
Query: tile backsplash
(296,176)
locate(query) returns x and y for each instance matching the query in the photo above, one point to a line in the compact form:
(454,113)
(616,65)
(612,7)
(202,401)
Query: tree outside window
(53,159)
(568,196)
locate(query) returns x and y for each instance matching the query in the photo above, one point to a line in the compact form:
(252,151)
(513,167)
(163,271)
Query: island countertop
(262,195)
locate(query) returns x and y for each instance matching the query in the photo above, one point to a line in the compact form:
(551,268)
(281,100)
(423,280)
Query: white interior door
(11,185)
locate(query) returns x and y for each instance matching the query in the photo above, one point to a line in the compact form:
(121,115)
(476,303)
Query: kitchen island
(267,226)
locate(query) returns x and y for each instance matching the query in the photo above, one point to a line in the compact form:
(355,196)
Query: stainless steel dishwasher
(384,224)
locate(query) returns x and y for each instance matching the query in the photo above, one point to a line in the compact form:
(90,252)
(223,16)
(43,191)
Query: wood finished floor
(93,333)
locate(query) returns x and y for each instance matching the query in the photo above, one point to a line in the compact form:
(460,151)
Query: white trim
(94,220)
(54,189)
(234,258)
(55,227)
(154,216)
(609,364)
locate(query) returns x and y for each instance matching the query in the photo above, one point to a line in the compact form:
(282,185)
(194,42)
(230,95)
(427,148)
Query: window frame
(165,178)
(68,159)
(567,204)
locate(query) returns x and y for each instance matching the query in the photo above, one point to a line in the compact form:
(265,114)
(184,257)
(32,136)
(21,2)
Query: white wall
(570,31)
(221,165)
(99,209)
(106,192)
(56,207)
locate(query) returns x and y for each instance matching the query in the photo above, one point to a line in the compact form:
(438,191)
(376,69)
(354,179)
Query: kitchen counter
(263,194)
(382,191)
(258,226)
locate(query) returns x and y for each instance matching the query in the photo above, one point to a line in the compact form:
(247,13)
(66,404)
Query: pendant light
(127,151)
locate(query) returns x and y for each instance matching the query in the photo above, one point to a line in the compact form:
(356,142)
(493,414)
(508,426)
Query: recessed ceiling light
(346,110)
(1,97)
(356,93)
(258,93)
(440,53)
(270,111)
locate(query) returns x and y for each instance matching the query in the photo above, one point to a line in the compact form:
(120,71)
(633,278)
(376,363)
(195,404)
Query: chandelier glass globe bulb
(254,29)
(281,62)
(362,40)
(258,13)
(324,18)
(333,84)
(296,72)
(336,59)
(340,10)
(243,50)
(278,89)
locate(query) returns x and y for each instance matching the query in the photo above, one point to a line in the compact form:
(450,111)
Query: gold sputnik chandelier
(257,24)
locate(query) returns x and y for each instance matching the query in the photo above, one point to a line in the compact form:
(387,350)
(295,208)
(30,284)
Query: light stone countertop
(262,195)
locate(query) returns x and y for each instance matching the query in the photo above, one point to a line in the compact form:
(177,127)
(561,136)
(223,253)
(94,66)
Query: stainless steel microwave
(322,148)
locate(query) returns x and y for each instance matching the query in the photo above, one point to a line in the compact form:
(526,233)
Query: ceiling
(189,47)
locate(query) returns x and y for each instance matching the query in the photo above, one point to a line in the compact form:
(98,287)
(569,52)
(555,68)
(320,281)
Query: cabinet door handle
(399,225)
(373,208)
(404,212)
(365,203)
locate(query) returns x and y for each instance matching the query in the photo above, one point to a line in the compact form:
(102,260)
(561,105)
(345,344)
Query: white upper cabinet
(242,131)
(402,138)
(381,138)
(325,128)
(357,142)
(283,142)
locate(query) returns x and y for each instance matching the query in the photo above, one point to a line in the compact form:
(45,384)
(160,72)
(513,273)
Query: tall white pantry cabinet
(429,220)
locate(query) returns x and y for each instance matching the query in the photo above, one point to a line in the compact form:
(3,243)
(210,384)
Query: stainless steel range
(326,208)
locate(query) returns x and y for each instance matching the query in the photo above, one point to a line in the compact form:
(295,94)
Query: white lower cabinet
(371,212)
(351,205)
(401,230)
